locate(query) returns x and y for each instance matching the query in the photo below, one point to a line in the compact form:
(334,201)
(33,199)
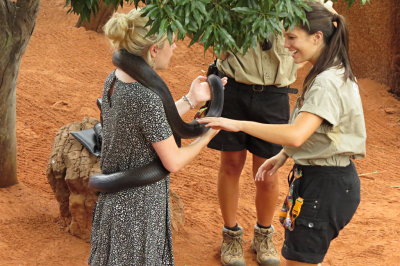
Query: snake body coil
(138,69)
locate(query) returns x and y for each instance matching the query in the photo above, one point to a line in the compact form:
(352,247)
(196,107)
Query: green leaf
(179,26)
(154,28)
(152,12)
(170,36)
(207,34)
(163,27)
(169,11)
(244,10)
(196,38)
(200,6)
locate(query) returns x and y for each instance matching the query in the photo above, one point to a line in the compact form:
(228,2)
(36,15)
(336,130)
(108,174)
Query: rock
(177,211)
(68,171)
(390,110)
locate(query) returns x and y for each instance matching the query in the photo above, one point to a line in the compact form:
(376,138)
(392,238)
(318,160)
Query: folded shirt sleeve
(323,100)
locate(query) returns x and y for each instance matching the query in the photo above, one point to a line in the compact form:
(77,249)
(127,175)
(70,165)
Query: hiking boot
(263,245)
(231,248)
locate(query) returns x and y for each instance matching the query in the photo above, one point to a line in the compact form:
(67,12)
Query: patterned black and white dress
(132,226)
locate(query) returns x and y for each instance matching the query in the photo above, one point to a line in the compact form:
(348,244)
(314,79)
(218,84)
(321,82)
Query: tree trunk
(97,20)
(17,21)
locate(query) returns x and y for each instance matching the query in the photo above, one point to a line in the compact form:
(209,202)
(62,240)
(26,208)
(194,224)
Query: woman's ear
(318,38)
(153,50)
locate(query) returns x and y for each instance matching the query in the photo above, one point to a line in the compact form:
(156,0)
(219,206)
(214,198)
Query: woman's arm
(174,158)
(286,134)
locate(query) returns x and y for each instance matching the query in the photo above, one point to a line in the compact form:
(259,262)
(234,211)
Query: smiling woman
(304,47)
(324,185)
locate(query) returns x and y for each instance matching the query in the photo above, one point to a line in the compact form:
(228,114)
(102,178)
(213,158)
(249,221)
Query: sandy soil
(61,76)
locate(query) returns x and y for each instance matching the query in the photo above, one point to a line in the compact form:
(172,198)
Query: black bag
(90,139)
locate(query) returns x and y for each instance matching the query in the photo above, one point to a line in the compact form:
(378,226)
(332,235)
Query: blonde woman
(132,226)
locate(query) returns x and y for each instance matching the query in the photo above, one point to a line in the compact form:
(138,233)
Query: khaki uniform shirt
(342,135)
(272,67)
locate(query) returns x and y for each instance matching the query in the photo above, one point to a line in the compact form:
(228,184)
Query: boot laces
(266,244)
(234,246)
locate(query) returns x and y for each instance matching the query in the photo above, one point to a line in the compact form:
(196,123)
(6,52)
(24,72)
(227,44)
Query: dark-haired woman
(325,133)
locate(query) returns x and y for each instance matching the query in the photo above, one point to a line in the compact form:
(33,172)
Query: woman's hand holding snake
(200,90)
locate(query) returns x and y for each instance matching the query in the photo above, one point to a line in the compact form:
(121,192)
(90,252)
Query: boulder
(68,171)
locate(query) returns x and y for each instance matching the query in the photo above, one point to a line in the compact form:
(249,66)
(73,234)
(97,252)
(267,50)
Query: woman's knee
(232,163)
(268,184)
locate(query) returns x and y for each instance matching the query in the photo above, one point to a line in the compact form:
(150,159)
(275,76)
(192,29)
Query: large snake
(138,69)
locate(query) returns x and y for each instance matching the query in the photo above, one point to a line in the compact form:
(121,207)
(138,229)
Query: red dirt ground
(61,76)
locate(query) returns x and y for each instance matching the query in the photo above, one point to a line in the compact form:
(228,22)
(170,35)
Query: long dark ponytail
(336,39)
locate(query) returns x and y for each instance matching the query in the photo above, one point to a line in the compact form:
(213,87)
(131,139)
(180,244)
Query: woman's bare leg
(228,184)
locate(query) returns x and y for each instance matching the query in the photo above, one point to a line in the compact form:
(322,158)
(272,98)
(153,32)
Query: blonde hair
(128,31)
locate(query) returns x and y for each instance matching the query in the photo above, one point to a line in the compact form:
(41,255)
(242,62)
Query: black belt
(261,88)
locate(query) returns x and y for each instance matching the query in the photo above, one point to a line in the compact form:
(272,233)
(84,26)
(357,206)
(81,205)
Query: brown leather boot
(263,245)
(231,248)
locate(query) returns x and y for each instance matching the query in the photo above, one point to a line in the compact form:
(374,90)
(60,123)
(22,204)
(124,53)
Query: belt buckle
(257,88)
